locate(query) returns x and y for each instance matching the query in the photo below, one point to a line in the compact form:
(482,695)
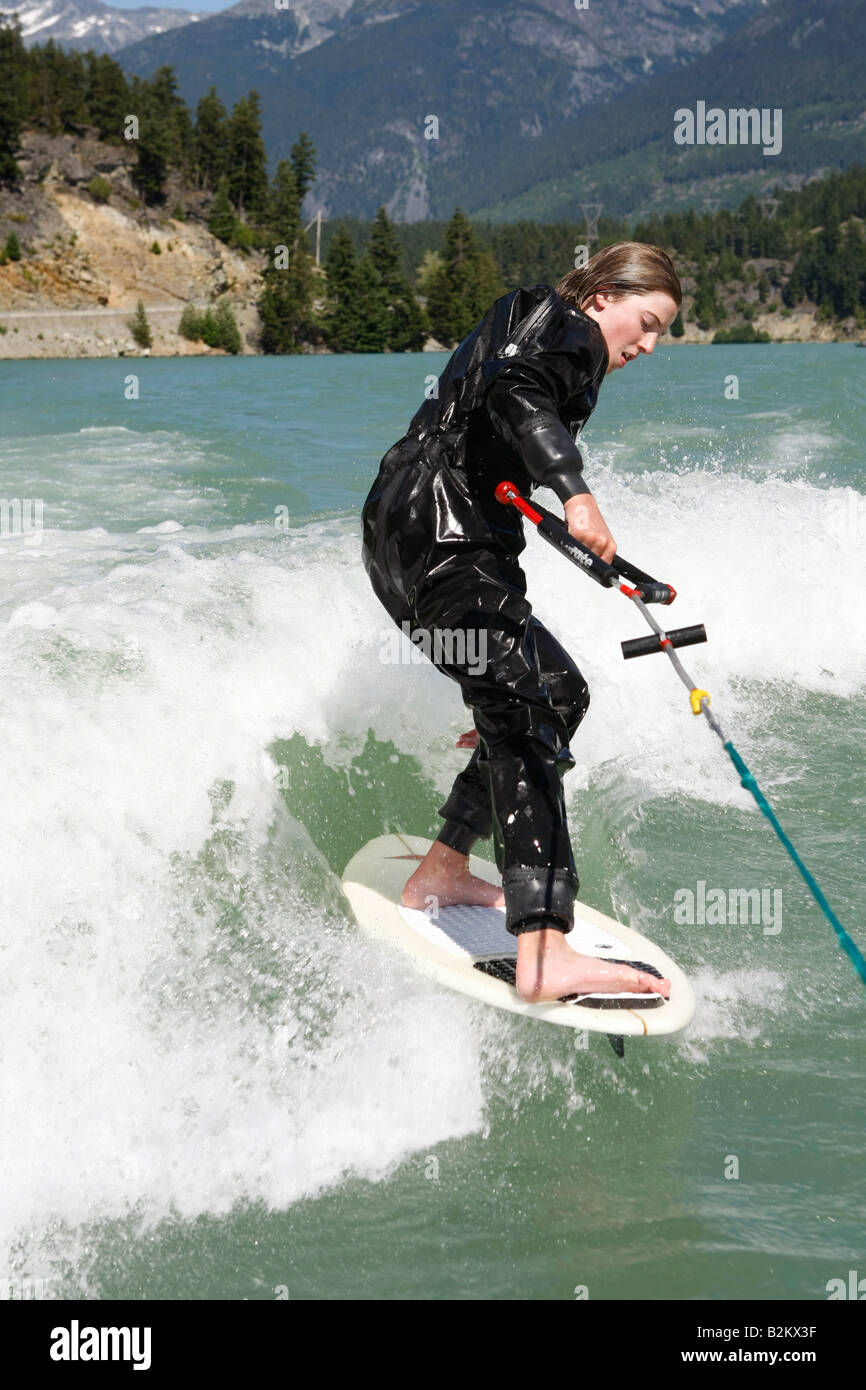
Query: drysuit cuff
(538,898)
(457,836)
(552,458)
(568,484)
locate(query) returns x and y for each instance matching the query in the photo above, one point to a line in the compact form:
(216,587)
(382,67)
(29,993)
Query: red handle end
(507,493)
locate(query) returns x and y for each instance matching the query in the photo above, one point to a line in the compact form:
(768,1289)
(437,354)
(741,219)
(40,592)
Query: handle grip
(557,534)
(679,637)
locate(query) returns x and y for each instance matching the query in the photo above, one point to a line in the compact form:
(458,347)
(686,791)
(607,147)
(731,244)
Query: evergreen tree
(408,328)
(340,319)
(283,207)
(472,278)
(139,327)
(439,305)
(386,253)
(165,132)
(190,325)
(211,140)
(13,97)
(303,157)
(248,175)
(58,87)
(371,301)
(221,219)
(285,305)
(185,136)
(172,110)
(406,322)
(108,96)
(431,265)
(227,331)
(154,144)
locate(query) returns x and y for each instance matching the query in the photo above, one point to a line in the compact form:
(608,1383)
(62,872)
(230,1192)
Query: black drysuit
(441,554)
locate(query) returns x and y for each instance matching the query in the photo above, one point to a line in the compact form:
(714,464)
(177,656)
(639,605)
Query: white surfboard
(469,949)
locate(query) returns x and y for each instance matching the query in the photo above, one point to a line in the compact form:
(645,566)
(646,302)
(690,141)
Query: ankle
(445,857)
(540,943)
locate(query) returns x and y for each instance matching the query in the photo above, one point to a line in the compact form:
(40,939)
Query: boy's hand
(586,523)
(469,740)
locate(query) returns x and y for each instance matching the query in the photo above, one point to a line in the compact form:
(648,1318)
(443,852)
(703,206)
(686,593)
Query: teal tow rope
(747,780)
(700,702)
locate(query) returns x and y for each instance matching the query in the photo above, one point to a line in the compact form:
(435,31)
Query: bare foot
(444,875)
(548,968)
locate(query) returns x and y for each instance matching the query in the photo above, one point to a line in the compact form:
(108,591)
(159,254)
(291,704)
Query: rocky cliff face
(85,263)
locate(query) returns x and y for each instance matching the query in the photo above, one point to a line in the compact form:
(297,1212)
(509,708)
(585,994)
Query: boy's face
(632,324)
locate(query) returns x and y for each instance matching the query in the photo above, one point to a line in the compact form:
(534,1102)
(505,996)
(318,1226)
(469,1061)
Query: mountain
(501,76)
(516,108)
(311,23)
(807,63)
(89,24)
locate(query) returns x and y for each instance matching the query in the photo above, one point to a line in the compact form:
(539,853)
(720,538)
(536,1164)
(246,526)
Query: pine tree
(211,140)
(107,96)
(13,67)
(70,71)
(340,319)
(468,282)
(139,327)
(228,333)
(473,279)
(153,103)
(285,305)
(439,309)
(221,219)
(248,175)
(408,328)
(431,265)
(185,136)
(386,253)
(371,300)
(303,157)
(406,321)
(283,207)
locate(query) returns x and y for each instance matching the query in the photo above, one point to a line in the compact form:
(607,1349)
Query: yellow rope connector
(695,696)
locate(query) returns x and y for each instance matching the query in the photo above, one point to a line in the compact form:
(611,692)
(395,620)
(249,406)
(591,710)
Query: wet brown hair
(627,267)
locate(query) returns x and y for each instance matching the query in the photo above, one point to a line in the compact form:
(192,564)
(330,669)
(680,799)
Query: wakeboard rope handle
(648,590)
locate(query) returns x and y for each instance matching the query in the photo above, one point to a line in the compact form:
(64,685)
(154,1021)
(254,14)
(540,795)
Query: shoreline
(79,333)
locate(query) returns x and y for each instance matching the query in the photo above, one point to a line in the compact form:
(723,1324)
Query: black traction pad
(505,968)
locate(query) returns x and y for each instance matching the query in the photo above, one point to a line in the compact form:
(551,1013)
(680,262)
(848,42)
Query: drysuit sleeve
(523,402)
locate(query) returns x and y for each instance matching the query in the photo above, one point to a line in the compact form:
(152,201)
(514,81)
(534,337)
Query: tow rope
(643,590)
